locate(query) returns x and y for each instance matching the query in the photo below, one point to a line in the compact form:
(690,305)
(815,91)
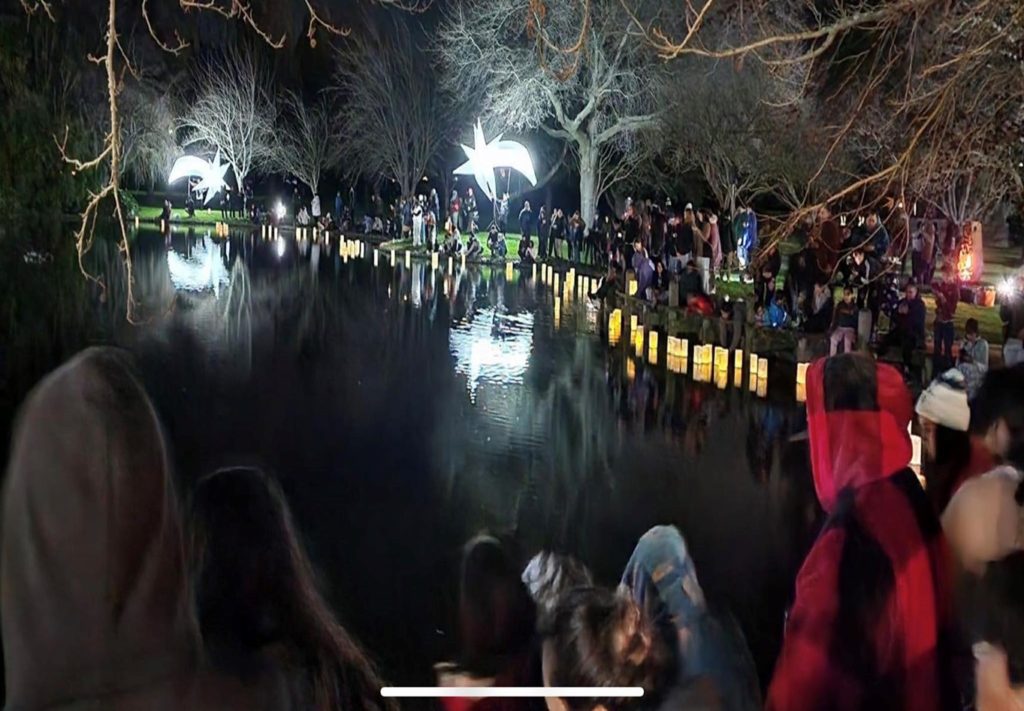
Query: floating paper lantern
(508,271)
(708,353)
(685,346)
(753,381)
(673,346)
(632,285)
(738,359)
(616,318)
(556,282)
(652,345)
(634,322)
(722,378)
(801,373)
(721,358)
(762,369)
(753,363)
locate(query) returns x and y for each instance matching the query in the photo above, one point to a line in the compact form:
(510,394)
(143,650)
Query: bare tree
(308,140)
(511,57)
(235,111)
(147,134)
(393,115)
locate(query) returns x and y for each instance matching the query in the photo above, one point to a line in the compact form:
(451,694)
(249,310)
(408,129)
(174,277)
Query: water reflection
(406,408)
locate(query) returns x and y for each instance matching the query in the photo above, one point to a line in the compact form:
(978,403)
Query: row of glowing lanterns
(707,359)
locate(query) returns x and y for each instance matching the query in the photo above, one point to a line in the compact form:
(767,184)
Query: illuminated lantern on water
(708,353)
(753,363)
(801,392)
(376,259)
(652,346)
(721,358)
(673,346)
(556,282)
(801,373)
(762,388)
(408,259)
(722,378)
(634,322)
(762,369)
(508,271)
(753,381)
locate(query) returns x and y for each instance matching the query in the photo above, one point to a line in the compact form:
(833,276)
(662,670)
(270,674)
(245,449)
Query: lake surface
(406,409)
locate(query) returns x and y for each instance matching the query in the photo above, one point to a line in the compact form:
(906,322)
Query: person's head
(688,214)
(469,192)
(824,213)
(910,291)
(872,220)
(971,330)
(848,294)
(496,613)
(996,621)
(944,417)
(997,413)
(858,256)
(526,205)
(599,637)
(255,587)
(929,229)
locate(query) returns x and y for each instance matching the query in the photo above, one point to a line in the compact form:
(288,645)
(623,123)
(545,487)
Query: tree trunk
(588,184)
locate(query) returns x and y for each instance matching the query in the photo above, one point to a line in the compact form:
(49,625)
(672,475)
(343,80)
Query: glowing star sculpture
(211,175)
(484,157)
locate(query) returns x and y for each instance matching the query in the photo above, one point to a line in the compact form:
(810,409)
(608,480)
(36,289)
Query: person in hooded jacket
(871,620)
(94,598)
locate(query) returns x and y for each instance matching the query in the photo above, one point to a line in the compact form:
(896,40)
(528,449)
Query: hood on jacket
(858,412)
(93,593)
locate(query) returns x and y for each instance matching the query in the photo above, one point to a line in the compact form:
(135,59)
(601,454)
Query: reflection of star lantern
(211,175)
(485,157)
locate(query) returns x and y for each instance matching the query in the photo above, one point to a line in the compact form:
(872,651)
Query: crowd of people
(910,598)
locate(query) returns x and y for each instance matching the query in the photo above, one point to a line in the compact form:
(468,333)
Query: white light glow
(492,348)
(280,211)
(484,157)
(281,246)
(203,269)
(211,175)
(1007,288)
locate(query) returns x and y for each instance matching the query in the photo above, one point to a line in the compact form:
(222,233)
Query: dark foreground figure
(96,605)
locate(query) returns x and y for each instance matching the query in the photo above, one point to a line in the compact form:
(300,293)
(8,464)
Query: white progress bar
(517,692)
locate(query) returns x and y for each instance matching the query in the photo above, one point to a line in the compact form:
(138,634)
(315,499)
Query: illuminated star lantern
(211,175)
(484,157)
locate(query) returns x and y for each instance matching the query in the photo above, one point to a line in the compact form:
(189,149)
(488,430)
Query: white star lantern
(211,175)
(484,157)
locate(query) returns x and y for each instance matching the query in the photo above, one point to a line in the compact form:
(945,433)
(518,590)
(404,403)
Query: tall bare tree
(147,134)
(309,141)
(234,111)
(394,118)
(517,59)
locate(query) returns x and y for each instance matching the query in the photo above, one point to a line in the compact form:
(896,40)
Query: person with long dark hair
(257,597)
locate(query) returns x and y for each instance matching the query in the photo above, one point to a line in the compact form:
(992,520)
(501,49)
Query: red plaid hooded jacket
(869,628)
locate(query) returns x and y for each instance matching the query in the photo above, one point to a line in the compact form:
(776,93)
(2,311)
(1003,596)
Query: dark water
(405,411)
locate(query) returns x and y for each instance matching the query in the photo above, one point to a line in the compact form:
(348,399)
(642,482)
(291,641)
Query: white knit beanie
(944,402)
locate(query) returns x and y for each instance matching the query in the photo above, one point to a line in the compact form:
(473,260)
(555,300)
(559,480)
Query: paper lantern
(508,271)
(616,318)
(634,322)
(737,376)
(722,378)
(753,381)
(652,345)
(753,363)
(762,369)
(376,260)
(708,353)
(534,273)
(801,392)
(738,359)
(630,368)
(674,363)
(392,254)
(762,388)
(632,285)
(721,358)
(684,344)
(451,265)
(556,282)
(673,346)
(801,373)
